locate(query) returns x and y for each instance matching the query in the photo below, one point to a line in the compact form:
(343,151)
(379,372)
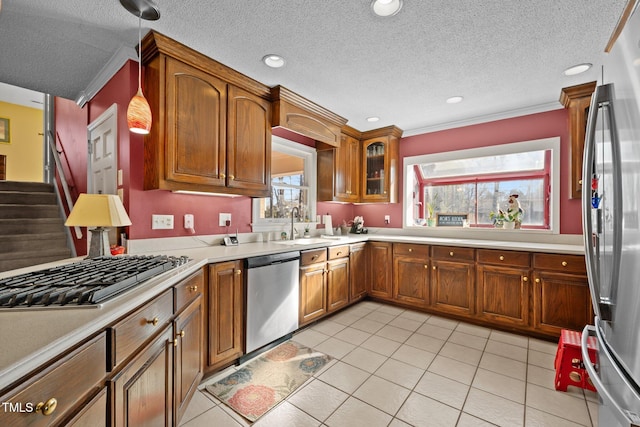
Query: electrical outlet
(387,219)
(224,220)
(188,221)
(162,222)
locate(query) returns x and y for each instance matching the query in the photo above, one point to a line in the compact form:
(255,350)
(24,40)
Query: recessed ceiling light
(273,61)
(373,119)
(454,99)
(386,7)
(577,69)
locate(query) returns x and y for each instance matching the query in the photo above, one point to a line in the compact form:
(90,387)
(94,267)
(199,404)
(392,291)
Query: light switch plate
(162,222)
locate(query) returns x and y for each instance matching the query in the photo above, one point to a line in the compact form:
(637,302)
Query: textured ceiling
(501,55)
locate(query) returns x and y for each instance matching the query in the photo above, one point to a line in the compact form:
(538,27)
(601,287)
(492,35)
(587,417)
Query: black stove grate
(87,282)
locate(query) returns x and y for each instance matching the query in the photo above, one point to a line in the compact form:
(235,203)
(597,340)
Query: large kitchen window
(477,184)
(293,185)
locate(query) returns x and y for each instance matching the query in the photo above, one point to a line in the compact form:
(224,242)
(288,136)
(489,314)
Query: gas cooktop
(86,283)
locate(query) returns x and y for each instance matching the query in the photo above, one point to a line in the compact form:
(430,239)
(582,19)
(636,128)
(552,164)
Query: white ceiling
(505,57)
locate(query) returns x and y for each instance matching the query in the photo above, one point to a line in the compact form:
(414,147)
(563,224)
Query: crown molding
(115,63)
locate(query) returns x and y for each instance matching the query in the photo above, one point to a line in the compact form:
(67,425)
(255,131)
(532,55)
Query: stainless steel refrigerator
(611,221)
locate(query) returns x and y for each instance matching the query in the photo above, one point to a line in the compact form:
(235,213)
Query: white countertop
(31,337)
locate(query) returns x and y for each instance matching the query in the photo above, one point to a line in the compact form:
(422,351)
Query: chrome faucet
(297,211)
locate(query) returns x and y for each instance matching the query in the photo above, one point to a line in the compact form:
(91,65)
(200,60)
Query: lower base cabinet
(143,390)
(225,314)
(411,274)
(93,413)
(358,271)
(380,270)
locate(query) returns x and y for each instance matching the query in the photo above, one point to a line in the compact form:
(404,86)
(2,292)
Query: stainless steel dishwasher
(272,298)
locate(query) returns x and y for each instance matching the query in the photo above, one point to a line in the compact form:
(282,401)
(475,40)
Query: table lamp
(101,211)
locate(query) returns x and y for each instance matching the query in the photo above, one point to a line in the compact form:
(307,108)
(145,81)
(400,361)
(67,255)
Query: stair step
(26,259)
(12,211)
(22,198)
(10,226)
(25,186)
(33,242)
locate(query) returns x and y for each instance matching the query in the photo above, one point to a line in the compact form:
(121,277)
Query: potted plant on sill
(431,220)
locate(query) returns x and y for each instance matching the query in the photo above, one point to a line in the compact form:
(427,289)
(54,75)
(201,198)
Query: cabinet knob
(426,266)
(181,333)
(451,253)
(580,182)
(231,177)
(384,192)
(501,257)
(238,272)
(434,267)
(153,321)
(313,258)
(222,176)
(339,253)
(564,263)
(193,288)
(525,279)
(175,342)
(410,249)
(47,407)
(537,280)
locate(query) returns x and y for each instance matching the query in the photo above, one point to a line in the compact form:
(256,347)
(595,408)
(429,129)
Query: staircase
(31,228)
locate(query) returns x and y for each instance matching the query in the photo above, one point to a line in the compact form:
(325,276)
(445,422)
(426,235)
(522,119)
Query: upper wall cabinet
(212,125)
(380,165)
(292,111)
(339,168)
(577,100)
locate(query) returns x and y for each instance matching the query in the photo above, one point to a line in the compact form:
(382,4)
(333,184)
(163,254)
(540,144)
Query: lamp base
(99,243)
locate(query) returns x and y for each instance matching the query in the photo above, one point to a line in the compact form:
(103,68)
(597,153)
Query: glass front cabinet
(380,166)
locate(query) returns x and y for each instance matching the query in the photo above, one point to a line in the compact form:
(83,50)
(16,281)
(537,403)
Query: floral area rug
(267,380)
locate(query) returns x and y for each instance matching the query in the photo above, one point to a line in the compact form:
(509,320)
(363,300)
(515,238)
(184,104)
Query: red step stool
(568,363)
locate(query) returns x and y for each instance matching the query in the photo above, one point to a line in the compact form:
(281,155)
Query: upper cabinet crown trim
(155,43)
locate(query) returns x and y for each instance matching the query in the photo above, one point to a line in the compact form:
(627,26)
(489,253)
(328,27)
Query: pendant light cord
(140,51)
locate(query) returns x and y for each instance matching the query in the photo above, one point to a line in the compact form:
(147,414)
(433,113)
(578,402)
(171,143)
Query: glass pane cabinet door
(375,173)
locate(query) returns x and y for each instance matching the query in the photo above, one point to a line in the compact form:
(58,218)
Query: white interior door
(103,156)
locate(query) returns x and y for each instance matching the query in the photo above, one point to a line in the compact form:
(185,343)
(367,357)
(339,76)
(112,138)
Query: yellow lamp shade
(139,114)
(98,210)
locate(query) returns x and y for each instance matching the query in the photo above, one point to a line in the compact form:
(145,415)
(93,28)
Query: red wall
(71,123)
(525,128)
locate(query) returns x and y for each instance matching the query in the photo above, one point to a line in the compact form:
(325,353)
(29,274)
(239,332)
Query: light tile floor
(396,367)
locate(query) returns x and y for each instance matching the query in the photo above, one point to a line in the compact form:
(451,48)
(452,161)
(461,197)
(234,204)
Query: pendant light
(139,113)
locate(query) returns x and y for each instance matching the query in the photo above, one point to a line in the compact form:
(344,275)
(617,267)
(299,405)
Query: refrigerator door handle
(590,330)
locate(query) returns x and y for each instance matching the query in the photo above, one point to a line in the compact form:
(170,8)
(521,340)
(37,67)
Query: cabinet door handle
(451,253)
(222,176)
(238,272)
(193,288)
(181,334)
(153,321)
(525,279)
(339,253)
(434,267)
(231,177)
(426,266)
(47,407)
(537,280)
(410,249)
(564,263)
(501,257)
(175,342)
(315,257)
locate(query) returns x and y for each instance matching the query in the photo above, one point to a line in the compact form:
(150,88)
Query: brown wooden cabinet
(561,298)
(339,170)
(143,389)
(577,100)
(503,287)
(60,390)
(380,165)
(212,125)
(225,322)
(411,274)
(358,271)
(189,353)
(453,280)
(380,270)
(313,285)
(337,277)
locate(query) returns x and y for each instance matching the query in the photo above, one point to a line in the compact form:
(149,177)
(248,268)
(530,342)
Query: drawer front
(559,262)
(453,253)
(188,290)
(338,251)
(130,333)
(507,258)
(313,256)
(411,249)
(57,392)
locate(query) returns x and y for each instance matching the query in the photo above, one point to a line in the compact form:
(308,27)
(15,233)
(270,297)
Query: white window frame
(552,144)
(308,154)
